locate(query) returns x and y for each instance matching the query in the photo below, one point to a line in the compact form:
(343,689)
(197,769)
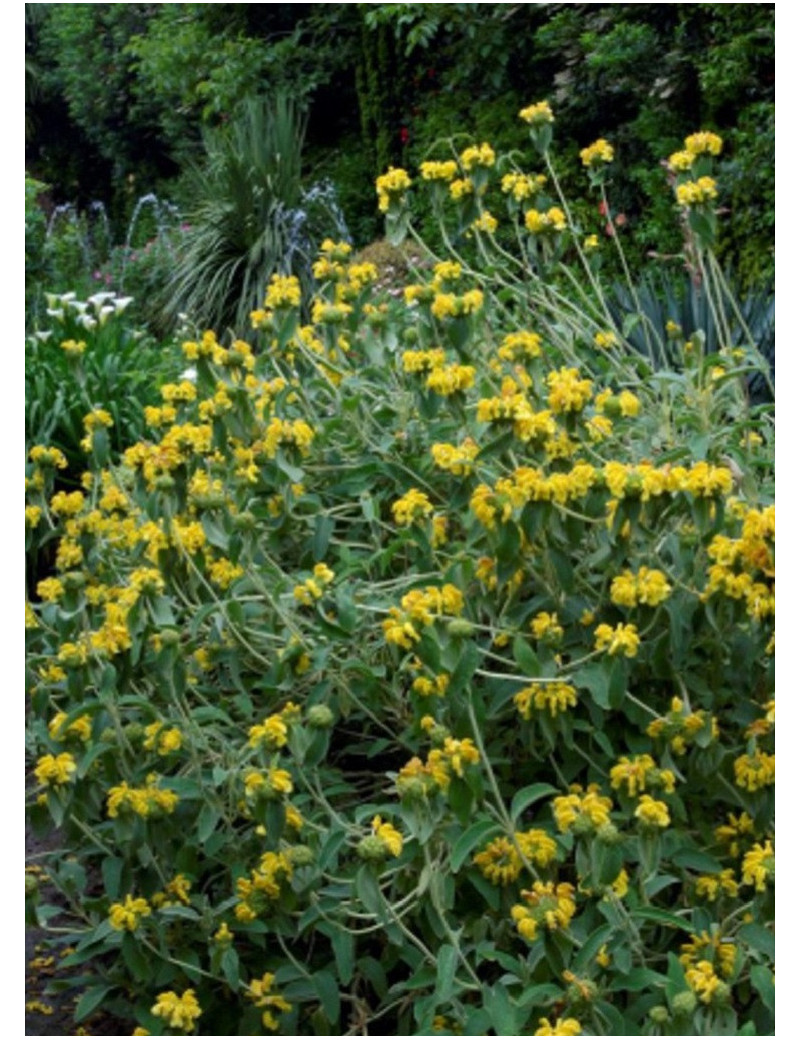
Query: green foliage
(414,673)
(118,370)
(689,305)
(35,234)
(84,48)
(250,216)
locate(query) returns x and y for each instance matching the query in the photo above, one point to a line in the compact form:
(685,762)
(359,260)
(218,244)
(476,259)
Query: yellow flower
(439,171)
(680,162)
(50,590)
(696,193)
(547,905)
(568,392)
(283,291)
(553,696)
(391,838)
(391,187)
(652,813)
(485,222)
(164,741)
(261,992)
(758,866)
(521,185)
(755,771)
(597,153)
(272,733)
(582,812)
(179,1012)
(632,772)
(33,514)
(703,980)
(546,626)
(561,1027)
(540,223)
(73,348)
(55,770)
(536,114)
(603,340)
(712,886)
(125,917)
(80,728)
(477,155)
(414,505)
(704,142)
(624,639)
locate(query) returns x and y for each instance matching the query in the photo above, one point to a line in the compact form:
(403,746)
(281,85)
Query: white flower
(87,322)
(99,298)
(105,313)
(121,303)
(190,374)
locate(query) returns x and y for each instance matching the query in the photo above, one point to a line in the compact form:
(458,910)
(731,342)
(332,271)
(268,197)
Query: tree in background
(125,90)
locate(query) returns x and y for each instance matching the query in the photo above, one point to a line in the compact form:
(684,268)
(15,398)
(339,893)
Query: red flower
(404,135)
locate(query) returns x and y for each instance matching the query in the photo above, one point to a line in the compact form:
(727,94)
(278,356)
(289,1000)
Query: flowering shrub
(87,355)
(414,672)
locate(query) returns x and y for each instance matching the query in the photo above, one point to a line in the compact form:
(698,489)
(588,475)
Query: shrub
(86,356)
(415,673)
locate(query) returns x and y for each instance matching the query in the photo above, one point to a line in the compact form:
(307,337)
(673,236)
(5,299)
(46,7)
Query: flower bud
(244,521)
(659,1014)
(684,1003)
(608,833)
(372,849)
(460,627)
(301,855)
(320,716)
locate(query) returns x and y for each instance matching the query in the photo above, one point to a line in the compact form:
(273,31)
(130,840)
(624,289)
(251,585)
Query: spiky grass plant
(248,219)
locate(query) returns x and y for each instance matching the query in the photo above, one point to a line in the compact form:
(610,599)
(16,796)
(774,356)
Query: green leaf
(112,874)
(369,893)
(676,978)
(527,796)
(596,678)
(460,799)
(90,1000)
(764,982)
(469,658)
(525,657)
(446,960)
(328,993)
(592,946)
(651,913)
(215,533)
(230,967)
(637,979)
(469,840)
(503,1015)
(206,822)
(323,529)
(343,945)
(694,859)
(137,963)
(759,938)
